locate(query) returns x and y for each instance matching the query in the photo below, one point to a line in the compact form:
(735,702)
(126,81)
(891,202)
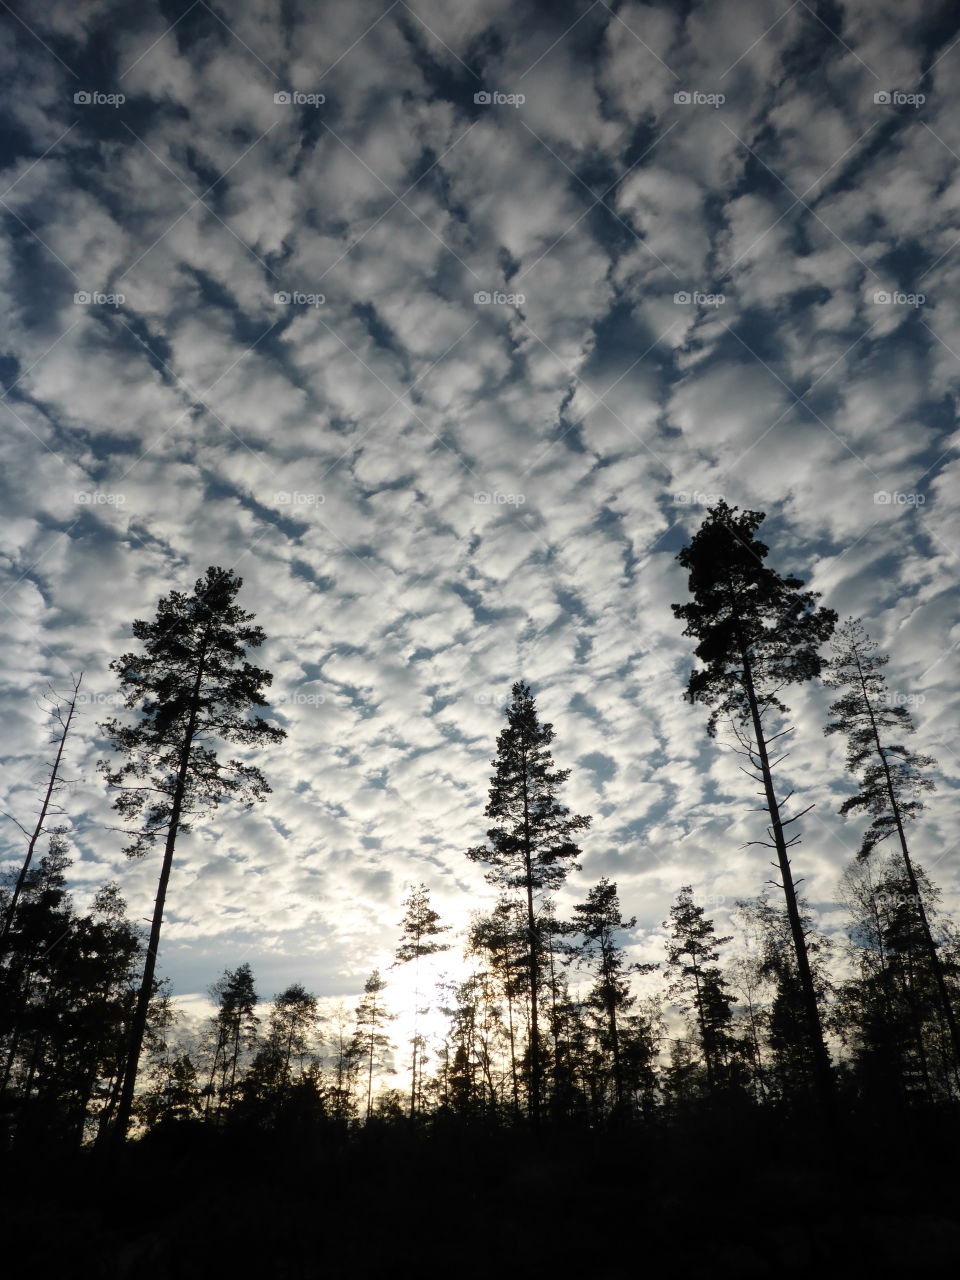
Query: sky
(442,324)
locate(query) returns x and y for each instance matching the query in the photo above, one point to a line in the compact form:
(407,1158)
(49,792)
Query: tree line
(549,1026)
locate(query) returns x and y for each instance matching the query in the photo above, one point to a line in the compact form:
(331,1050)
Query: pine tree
(692,955)
(466,1086)
(531,849)
(32,974)
(192,686)
(283,1080)
(756,632)
(890,775)
(501,938)
(421,927)
(62,712)
(343,1066)
(597,922)
(67,982)
(292,1028)
(889,1012)
(371,1042)
(235,1030)
(792,1061)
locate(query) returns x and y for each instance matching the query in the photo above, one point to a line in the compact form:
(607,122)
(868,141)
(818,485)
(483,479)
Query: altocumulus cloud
(442,323)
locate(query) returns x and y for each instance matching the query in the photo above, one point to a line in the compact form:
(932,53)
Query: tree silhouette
(890,776)
(192,686)
(756,632)
(235,1031)
(692,955)
(64,719)
(793,1063)
(421,926)
(531,849)
(500,937)
(598,923)
(371,1042)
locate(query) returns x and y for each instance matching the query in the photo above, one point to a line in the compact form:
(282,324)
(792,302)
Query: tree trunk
(707,1055)
(822,1067)
(38,829)
(125,1105)
(931,946)
(532,961)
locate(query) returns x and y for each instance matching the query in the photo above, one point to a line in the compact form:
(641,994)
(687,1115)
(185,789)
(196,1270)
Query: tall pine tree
(891,777)
(692,955)
(192,687)
(421,928)
(756,632)
(531,848)
(597,922)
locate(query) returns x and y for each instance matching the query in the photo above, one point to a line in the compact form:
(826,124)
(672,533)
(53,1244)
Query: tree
(283,1084)
(792,1060)
(293,1022)
(597,921)
(370,1040)
(890,775)
(531,849)
(234,1028)
(466,1086)
(175,1095)
(692,955)
(889,1012)
(192,686)
(54,783)
(756,632)
(67,982)
(345,1065)
(421,926)
(501,939)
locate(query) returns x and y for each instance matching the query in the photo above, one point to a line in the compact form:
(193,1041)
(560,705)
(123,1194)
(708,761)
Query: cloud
(429,496)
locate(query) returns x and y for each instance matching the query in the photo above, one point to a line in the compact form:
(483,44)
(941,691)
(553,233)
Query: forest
(775,1100)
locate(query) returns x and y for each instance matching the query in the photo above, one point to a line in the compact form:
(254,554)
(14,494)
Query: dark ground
(721,1196)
